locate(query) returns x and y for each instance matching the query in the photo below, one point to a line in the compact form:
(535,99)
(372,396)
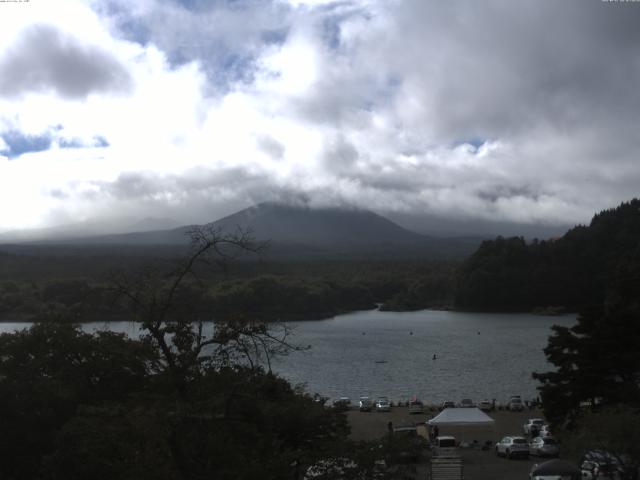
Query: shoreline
(121,317)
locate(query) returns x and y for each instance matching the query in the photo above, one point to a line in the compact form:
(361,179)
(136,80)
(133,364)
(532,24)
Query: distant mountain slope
(327,227)
(304,231)
(572,271)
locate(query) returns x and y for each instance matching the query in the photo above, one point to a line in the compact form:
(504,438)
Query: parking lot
(478,464)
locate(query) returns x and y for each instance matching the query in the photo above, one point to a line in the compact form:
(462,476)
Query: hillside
(569,272)
(303,232)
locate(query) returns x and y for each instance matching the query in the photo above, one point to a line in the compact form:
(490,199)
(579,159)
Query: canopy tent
(462,417)
(465,422)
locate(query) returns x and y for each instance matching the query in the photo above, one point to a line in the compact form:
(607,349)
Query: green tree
(47,373)
(597,360)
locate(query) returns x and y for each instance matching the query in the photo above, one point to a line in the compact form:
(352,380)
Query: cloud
(226,37)
(45,59)
(15,143)
(495,112)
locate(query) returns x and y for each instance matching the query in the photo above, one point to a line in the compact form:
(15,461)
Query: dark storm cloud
(497,68)
(196,195)
(45,59)
(193,183)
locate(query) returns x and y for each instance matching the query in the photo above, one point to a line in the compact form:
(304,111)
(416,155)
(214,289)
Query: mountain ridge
(303,230)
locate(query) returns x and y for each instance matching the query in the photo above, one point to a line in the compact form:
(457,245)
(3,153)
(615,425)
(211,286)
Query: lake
(479,355)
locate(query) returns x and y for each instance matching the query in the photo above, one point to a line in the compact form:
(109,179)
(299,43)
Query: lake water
(479,355)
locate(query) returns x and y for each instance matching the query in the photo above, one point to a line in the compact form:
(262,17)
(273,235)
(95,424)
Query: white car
(445,446)
(511,447)
(485,406)
(515,404)
(544,447)
(383,404)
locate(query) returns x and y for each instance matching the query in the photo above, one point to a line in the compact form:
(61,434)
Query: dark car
(416,406)
(603,465)
(365,404)
(554,469)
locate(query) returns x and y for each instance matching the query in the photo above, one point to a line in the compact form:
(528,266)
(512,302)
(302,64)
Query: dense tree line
(286,291)
(593,395)
(569,272)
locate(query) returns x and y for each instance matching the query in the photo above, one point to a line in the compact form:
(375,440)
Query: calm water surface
(479,355)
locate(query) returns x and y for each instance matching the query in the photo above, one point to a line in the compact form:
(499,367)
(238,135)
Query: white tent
(462,417)
(465,422)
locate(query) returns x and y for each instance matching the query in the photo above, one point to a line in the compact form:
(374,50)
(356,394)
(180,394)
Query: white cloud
(450,109)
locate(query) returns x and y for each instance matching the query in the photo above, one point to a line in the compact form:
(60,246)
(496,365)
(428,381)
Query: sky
(522,113)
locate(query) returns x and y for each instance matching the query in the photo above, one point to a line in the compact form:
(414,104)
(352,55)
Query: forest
(563,274)
(505,274)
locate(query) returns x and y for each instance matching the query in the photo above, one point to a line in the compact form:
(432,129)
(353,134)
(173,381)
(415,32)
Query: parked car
(342,404)
(515,404)
(554,470)
(365,404)
(383,404)
(448,404)
(416,406)
(485,405)
(445,446)
(603,465)
(545,430)
(467,403)
(544,447)
(512,446)
(532,426)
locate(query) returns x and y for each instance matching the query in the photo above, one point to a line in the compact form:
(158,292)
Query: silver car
(544,447)
(383,405)
(511,447)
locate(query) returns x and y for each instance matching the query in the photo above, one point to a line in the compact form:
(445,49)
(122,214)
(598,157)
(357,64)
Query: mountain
(304,231)
(326,227)
(89,228)
(151,224)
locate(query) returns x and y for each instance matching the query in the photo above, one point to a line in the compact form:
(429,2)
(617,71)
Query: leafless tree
(174,311)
